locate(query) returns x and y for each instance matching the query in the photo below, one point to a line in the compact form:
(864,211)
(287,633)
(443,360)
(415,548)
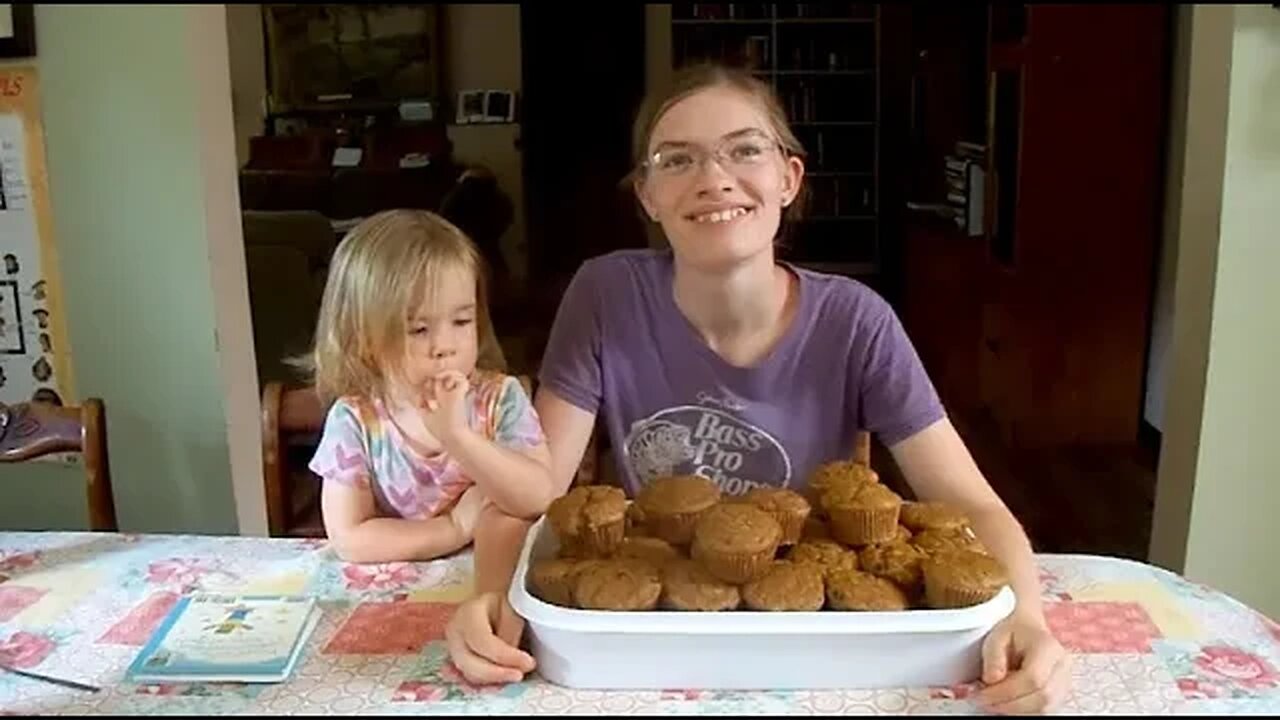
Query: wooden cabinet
(1059,289)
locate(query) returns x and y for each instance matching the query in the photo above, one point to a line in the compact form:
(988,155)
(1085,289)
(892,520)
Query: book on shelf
(213,637)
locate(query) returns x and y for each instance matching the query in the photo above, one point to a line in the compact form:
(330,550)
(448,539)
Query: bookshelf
(823,60)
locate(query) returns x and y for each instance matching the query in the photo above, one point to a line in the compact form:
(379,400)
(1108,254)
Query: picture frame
(471,106)
(499,106)
(485,106)
(17,31)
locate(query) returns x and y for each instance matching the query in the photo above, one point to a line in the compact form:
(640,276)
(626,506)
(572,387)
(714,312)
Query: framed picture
(470,107)
(499,106)
(17,31)
(486,106)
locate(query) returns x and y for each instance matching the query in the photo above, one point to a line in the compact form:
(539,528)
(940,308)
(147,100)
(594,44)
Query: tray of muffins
(844,586)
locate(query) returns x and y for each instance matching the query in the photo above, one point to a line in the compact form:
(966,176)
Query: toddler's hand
(446,410)
(466,512)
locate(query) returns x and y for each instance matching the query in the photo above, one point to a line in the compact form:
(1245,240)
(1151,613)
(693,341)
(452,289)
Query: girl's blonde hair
(693,79)
(379,272)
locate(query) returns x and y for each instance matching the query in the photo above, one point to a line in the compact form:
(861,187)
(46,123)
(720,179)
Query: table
(80,605)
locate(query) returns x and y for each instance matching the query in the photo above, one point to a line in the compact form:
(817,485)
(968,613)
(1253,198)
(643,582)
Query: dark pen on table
(45,678)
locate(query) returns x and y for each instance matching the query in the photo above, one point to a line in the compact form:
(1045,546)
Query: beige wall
(248,74)
(1217,497)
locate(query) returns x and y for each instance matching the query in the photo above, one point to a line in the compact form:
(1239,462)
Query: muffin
(855,590)
(936,541)
(962,578)
(619,584)
(918,516)
(590,520)
(686,585)
(897,562)
(672,505)
(786,586)
(814,529)
(552,580)
(827,555)
(736,542)
(789,508)
(837,473)
(656,552)
(862,514)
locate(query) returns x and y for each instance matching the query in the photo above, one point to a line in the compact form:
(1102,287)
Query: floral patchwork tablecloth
(80,606)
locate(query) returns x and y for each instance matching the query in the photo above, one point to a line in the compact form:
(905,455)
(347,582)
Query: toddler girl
(417,441)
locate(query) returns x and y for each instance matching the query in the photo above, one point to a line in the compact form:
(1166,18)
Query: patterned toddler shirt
(361,447)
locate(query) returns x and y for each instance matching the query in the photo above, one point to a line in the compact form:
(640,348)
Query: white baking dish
(749,650)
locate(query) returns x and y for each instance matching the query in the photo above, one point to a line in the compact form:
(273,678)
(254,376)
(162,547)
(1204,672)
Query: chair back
(31,430)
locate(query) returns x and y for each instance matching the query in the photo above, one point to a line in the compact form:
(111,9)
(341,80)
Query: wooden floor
(1095,501)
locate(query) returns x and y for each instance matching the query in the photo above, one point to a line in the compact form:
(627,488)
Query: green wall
(127,192)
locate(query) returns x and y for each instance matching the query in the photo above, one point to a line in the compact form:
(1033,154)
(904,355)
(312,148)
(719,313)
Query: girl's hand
(445,411)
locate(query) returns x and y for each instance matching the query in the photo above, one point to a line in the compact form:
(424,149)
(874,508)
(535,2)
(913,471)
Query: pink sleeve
(518,427)
(342,455)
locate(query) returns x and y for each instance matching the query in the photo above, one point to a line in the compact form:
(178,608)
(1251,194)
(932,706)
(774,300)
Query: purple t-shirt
(621,347)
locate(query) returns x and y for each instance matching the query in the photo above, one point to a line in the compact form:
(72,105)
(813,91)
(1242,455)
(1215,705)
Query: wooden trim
(273,468)
(97,467)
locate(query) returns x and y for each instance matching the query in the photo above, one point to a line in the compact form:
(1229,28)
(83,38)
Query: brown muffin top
(686,585)
(555,568)
(965,570)
(841,472)
(898,562)
(935,541)
(825,553)
(677,495)
(919,516)
(737,528)
(855,590)
(777,500)
(786,586)
(656,551)
(864,496)
(552,579)
(588,506)
(620,584)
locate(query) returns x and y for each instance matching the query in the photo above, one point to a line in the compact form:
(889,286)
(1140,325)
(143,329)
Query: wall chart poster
(34,354)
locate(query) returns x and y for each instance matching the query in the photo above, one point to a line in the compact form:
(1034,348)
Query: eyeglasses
(735,154)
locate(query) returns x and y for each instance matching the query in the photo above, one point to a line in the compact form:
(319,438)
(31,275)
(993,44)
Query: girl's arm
(518,482)
(359,536)
(499,537)
(514,468)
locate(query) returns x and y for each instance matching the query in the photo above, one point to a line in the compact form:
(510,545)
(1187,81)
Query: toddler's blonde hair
(379,273)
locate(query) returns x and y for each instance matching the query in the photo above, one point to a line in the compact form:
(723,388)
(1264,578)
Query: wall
(1217,498)
(144,216)
(248,74)
(482,52)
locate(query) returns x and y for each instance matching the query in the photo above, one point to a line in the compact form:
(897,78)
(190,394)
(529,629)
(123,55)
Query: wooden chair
(31,430)
(292,418)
